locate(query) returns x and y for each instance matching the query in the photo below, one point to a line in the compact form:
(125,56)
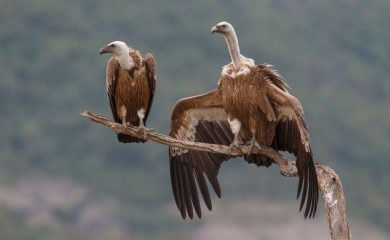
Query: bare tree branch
(329,182)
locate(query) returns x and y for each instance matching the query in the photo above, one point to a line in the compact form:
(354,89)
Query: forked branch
(329,182)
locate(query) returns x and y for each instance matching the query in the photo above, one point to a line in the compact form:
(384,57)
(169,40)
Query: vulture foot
(252,144)
(235,144)
(145,131)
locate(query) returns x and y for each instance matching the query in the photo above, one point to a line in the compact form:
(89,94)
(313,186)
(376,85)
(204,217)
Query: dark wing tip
(308,184)
(315,190)
(183,179)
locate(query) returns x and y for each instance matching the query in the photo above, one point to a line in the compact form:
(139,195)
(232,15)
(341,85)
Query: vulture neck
(125,61)
(234,49)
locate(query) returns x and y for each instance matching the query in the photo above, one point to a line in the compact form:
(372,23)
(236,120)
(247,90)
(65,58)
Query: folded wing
(151,71)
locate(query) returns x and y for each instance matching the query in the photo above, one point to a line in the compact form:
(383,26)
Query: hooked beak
(214,29)
(103,50)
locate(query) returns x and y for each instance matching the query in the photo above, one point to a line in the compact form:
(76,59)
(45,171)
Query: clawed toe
(229,150)
(127,124)
(145,131)
(233,145)
(252,145)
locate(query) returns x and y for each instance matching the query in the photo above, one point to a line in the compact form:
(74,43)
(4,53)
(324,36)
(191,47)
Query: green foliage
(334,54)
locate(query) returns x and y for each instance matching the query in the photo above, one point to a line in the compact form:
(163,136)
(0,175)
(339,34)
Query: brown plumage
(251,104)
(130,83)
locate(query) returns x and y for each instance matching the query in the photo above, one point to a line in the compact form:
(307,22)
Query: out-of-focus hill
(334,54)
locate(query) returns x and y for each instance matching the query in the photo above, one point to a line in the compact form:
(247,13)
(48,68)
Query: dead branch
(329,182)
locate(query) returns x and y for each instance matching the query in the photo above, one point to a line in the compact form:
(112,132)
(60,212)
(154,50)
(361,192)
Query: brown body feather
(133,89)
(243,99)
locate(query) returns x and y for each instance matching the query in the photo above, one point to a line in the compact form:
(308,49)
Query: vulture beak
(214,29)
(103,50)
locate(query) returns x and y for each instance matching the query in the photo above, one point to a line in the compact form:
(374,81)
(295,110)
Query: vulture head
(121,51)
(117,48)
(223,28)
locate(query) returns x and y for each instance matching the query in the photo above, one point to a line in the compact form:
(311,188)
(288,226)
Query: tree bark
(329,182)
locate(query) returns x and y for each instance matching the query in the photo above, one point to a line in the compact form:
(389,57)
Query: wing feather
(112,71)
(151,70)
(194,191)
(204,190)
(199,119)
(292,136)
(181,191)
(187,191)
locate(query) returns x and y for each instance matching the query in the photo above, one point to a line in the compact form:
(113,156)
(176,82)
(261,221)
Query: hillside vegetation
(335,55)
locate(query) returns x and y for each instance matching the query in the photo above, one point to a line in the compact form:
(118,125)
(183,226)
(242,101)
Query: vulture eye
(112,45)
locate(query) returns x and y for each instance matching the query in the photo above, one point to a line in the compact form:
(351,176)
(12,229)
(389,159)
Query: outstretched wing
(200,119)
(292,136)
(151,71)
(112,71)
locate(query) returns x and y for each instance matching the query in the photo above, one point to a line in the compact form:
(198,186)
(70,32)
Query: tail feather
(124,138)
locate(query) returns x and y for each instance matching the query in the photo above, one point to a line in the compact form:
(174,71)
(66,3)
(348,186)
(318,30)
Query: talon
(145,134)
(145,131)
(234,144)
(257,145)
(250,148)
(229,150)
(252,144)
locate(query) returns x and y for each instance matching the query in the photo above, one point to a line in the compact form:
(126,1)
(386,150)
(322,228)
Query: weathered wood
(329,182)
(334,201)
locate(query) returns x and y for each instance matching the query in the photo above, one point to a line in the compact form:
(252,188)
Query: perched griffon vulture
(251,105)
(130,83)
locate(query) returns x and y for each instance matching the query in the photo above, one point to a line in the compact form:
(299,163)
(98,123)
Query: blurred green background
(62,177)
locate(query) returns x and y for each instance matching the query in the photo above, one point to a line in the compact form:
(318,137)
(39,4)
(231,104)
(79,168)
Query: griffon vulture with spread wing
(251,105)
